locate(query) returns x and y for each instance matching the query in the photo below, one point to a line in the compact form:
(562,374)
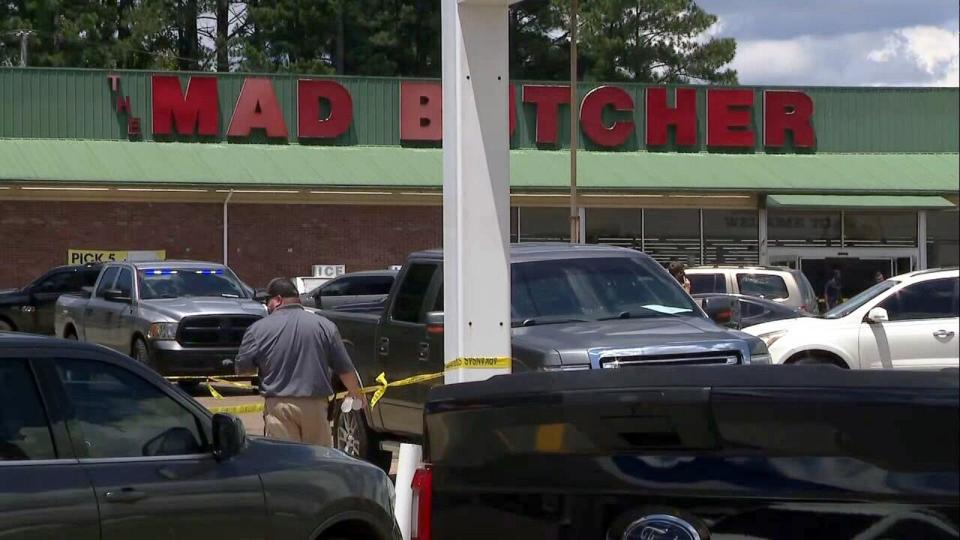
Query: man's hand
(353,388)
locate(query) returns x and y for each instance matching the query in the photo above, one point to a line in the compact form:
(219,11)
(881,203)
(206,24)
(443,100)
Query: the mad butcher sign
(715,118)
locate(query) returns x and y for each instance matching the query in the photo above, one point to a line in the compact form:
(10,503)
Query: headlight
(771,337)
(162,330)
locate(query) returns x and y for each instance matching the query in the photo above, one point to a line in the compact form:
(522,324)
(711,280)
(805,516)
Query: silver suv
(780,284)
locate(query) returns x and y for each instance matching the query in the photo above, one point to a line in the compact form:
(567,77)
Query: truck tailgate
(575,455)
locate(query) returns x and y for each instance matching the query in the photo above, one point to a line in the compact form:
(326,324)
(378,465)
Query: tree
(620,40)
(653,41)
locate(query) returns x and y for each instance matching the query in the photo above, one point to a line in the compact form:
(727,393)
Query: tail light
(422,504)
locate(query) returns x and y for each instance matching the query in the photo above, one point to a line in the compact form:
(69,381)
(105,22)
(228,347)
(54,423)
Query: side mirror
(260,295)
(229,436)
(724,311)
(435,322)
(116,295)
(877,315)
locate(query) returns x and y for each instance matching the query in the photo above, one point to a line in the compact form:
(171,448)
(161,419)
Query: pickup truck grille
(705,359)
(214,330)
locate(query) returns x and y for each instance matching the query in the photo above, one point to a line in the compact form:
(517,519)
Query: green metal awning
(289,165)
(858,201)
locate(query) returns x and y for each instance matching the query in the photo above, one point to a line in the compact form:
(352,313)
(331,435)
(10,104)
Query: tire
(5,326)
(814,360)
(139,351)
(352,436)
(71,335)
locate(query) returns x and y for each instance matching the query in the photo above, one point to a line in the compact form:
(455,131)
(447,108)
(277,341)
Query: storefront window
(731,237)
(803,229)
(615,226)
(672,235)
(544,225)
(514,223)
(943,237)
(868,229)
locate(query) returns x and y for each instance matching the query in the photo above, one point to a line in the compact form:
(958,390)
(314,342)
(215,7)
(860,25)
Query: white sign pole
(476,199)
(476,189)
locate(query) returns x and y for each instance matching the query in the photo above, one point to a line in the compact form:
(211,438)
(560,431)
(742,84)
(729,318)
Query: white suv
(906,322)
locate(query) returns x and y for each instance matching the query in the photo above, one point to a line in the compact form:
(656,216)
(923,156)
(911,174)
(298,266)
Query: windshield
(854,303)
(157,283)
(594,289)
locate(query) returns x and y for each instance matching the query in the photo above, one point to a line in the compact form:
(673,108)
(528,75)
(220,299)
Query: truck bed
(754,451)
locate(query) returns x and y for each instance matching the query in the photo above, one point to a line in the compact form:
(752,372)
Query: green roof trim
(261,165)
(857,201)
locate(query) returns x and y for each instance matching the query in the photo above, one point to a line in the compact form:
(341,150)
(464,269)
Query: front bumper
(171,359)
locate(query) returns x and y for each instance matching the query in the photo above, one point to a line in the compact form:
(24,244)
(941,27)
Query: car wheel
(814,360)
(72,336)
(5,326)
(353,437)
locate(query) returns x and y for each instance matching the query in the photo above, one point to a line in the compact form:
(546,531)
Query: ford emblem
(661,527)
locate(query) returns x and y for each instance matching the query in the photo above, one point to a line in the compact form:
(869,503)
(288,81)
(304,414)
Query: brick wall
(265,240)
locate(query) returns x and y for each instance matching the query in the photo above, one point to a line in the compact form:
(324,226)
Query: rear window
(413,291)
(370,285)
(770,286)
(707,283)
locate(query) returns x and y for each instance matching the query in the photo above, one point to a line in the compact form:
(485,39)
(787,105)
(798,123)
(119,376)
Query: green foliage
(620,40)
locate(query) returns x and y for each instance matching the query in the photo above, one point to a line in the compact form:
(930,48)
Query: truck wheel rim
(347,434)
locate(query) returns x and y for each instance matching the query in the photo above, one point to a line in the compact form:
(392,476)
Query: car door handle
(423,351)
(384,347)
(125,495)
(943,334)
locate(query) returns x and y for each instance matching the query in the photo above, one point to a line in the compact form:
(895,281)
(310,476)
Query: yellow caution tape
(378,390)
(482,362)
(238,409)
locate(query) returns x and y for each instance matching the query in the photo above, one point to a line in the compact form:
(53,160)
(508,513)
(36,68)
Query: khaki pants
(297,419)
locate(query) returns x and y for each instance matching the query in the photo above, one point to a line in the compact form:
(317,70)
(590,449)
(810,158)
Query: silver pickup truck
(180,318)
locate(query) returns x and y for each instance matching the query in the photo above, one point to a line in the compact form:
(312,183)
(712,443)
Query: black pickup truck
(31,308)
(752,452)
(573,308)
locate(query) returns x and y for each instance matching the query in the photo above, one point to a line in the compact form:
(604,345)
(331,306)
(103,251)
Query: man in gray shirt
(297,352)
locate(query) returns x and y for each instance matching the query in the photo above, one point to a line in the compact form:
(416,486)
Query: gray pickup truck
(180,318)
(573,308)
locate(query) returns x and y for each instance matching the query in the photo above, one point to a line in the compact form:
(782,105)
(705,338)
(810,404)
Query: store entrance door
(858,266)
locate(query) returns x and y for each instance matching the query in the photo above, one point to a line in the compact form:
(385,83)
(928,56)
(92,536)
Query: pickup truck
(758,452)
(574,308)
(30,308)
(177,317)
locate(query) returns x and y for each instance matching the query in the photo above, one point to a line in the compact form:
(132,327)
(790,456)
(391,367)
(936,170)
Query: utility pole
(24,45)
(574,128)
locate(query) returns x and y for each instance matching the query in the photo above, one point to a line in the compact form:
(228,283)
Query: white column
(922,240)
(762,237)
(476,189)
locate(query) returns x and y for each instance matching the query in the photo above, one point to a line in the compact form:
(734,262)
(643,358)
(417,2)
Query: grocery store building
(277,173)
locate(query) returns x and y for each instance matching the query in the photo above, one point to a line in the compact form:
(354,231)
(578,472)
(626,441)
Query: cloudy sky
(842,42)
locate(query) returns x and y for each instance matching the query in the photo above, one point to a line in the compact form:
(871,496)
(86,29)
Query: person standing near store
(832,290)
(678,271)
(297,353)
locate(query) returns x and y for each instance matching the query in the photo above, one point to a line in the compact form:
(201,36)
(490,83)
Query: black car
(745,310)
(31,308)
(694,453)
(94,445)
